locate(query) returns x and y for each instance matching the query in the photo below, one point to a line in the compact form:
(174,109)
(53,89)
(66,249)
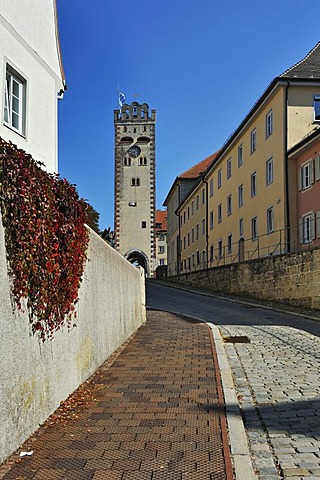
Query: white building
(31,77)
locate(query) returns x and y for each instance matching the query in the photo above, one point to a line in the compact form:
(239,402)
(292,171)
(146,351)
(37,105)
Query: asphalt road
(222,311)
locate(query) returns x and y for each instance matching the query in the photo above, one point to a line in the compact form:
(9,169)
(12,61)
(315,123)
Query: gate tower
(134,199)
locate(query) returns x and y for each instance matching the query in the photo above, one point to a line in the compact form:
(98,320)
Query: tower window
(127,161)
(135,182)
(142,161)
(142,112)
(135,111)
(143,224)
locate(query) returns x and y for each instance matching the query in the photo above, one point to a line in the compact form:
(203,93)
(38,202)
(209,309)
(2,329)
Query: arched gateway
(136,257)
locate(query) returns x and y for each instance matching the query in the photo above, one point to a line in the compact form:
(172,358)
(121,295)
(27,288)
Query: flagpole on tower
(121,98)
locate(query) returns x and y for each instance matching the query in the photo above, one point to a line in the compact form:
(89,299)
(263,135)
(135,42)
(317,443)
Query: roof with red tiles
(199,168)
(161,219)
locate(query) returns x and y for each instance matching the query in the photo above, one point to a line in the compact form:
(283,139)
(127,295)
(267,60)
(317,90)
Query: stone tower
(134,199)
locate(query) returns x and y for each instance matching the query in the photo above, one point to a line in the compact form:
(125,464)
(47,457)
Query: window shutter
(318,224)
(313,227)
(300,179)
(317,168)
(301,230)
(312,170)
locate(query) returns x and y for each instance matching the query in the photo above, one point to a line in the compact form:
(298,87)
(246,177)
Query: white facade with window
(31,77)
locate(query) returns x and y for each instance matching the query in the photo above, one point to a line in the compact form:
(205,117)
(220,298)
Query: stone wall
(292,278)
(36,376)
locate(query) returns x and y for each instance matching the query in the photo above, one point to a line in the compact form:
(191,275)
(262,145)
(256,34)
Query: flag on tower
(121,99)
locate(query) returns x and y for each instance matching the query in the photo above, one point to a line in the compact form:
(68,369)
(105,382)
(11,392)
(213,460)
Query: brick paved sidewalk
(152,414)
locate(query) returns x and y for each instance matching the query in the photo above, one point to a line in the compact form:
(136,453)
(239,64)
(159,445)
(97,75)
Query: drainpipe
(288,239)
(207,230)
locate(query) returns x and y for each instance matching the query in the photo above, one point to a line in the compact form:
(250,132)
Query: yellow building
(246,190)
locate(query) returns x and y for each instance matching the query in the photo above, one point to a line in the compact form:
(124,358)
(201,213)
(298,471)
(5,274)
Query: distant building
(135,177)
(249,191)
(161,237)
(31,77)
(304,168)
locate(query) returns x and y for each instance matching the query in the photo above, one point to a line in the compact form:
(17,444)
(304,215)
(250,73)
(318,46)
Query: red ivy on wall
(46,239)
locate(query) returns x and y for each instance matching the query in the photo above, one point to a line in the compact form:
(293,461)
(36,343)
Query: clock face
(134,152)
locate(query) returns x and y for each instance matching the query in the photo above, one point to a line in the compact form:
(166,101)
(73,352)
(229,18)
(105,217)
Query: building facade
(161,238)
(31,77)
(135,177)
(250,211)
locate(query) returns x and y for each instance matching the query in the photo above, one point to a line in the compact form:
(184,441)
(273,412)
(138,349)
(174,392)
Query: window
(220,249)
(211,188)
(229,168)
(306,175)
(161,248)
(229,243)
(219,178)
(254,228)
(184,242)
(134,111)
(229,205)
(184,217)
(132,204)
(269,125)
(211,253)
(127,161)
(188,213)
(269,171)
(192,207)
(253,184)
(161,261)
(197,202)
(253,140)
(240,195)
(197,231)
(15,102)
(307,228)
(198,258)
(203,226)
(240,155)
(142,161)
(241,227)
(270,220)
(143,224)
(203,196)
(220,213)
(135,182)
(317,109)
(192,235)
(188,239)
(211,220)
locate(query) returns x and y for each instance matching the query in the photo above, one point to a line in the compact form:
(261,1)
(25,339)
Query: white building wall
(36,376)
(28,44)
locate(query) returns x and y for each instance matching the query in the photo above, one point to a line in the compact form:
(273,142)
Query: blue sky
(201,64)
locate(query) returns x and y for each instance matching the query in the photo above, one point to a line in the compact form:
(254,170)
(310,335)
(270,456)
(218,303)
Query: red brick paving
(153,414)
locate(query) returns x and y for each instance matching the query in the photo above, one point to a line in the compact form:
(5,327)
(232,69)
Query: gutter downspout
(207,230)
(288,239)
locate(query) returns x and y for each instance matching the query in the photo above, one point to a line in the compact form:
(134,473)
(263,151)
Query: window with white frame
(211,220)
(229,205)
(229,243)
(161,261)
(220,249)
(211,187)
(254,228)
(161,249)
(269,124)
(307,228)
(220,213)
(229,168)
(241,227)
(240,195)
(253,184)
(316,104)
(253,140)
(14,114)
(269,171)
(270,226)
(240,155)
(219,178)
(306,175)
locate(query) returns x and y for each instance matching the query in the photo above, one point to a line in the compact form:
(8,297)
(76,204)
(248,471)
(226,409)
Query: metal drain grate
(237,339)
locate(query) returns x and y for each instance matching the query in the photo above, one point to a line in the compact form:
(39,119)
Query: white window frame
(253,140)
(308,228)
(270,220)
(269,124)
(254,228)
(211,187)
(306,175)
(240,155)
(229,168)
(253,184)
(14,111)
(240,195)
(229,205)
(269,171)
